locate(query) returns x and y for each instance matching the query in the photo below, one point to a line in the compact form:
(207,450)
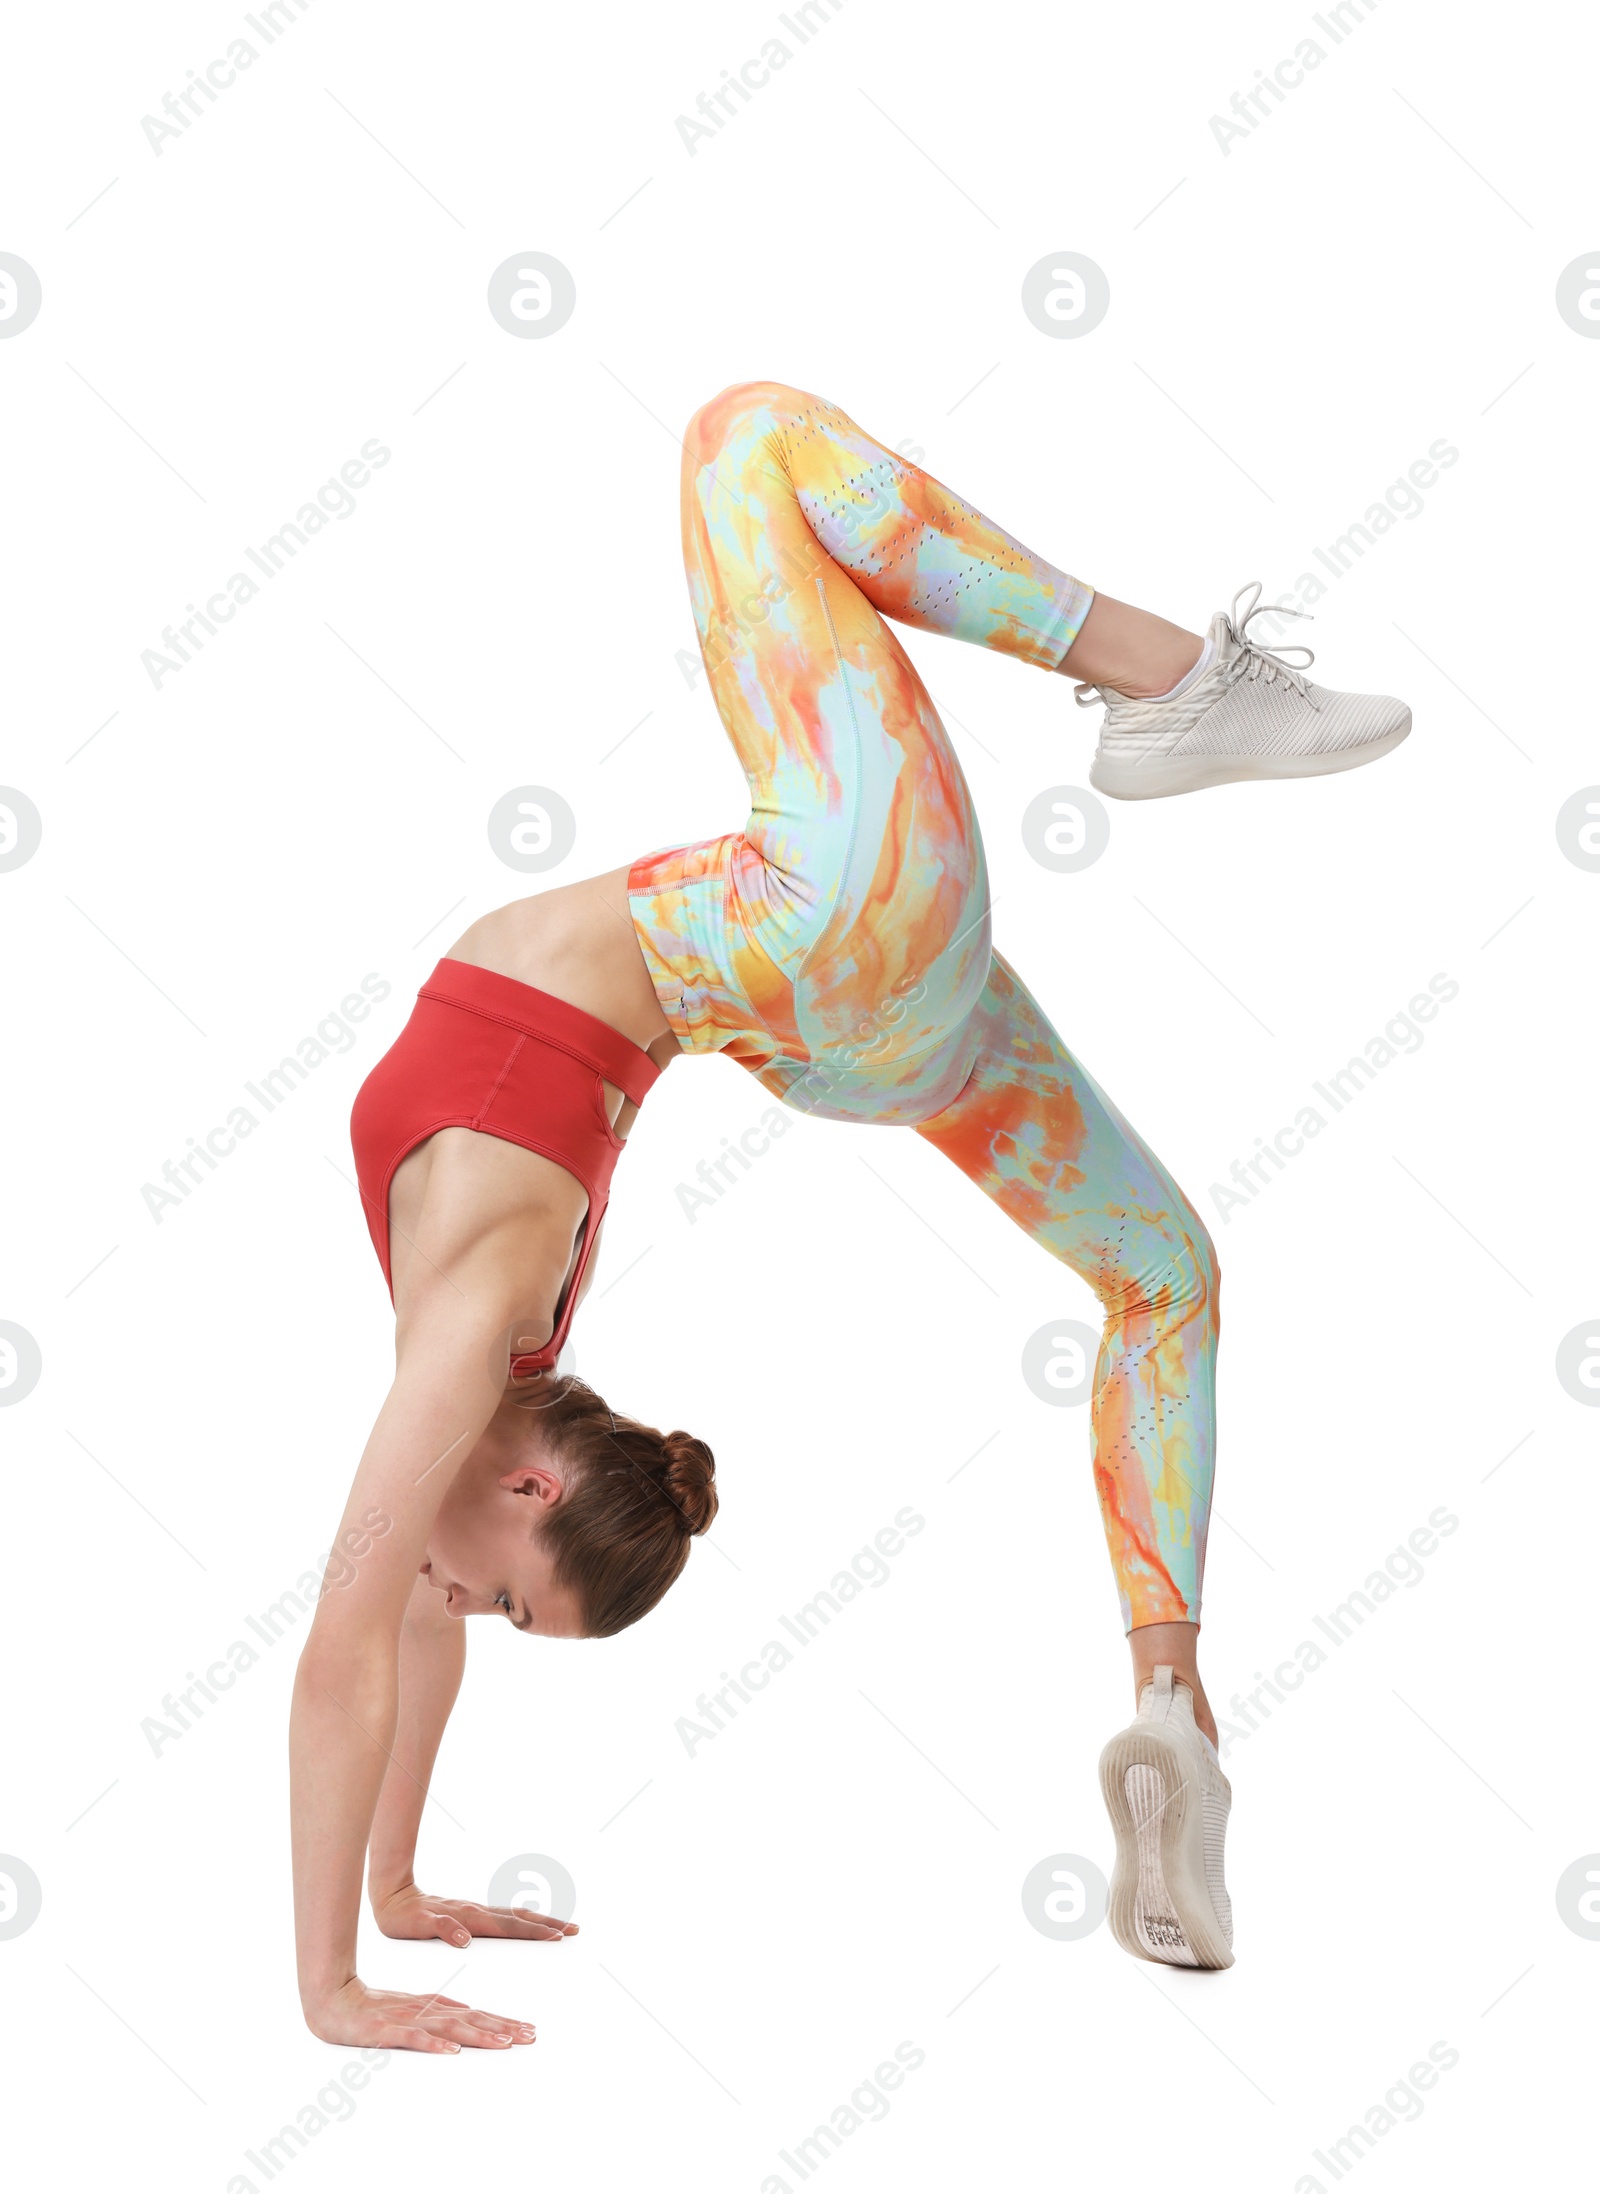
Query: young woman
(838,947)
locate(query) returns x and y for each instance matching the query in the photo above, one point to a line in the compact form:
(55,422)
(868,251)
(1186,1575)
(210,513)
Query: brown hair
(619,1535)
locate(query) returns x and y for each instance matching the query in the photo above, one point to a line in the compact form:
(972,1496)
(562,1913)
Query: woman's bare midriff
(466,1194)
(578,943)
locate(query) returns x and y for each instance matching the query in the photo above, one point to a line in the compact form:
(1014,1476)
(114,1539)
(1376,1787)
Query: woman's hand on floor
(411,1916)
(358,2017)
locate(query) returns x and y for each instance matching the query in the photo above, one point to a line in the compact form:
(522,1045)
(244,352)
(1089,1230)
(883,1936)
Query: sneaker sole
(1160,779)
(1161,1908)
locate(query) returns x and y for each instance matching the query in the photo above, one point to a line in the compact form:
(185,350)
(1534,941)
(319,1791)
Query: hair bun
(690,1479)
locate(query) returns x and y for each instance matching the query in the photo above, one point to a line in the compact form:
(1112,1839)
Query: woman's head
(567,1518)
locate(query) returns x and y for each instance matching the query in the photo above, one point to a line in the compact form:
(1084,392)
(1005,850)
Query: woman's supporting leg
(1037,1134)
(838,945)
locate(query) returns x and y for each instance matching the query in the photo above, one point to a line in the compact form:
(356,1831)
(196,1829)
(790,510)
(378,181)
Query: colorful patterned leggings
(838,947)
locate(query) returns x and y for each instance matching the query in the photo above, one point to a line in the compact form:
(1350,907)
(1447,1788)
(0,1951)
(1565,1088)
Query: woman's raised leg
(842,937)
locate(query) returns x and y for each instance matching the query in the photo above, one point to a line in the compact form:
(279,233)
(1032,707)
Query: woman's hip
(858,1011)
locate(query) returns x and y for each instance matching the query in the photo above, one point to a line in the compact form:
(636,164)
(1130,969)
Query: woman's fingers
(450,1929)
(386,2019)
(482,2030)
(438,2025)
(477,2037)
(445,2010)
(513,1920)
(454,1920)
(414,2037)
(508,1920)
(518,2029)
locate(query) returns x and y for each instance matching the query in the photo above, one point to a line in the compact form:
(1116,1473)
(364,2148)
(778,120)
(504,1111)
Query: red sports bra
(483,1051)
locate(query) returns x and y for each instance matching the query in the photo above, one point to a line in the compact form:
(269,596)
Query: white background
(223,859)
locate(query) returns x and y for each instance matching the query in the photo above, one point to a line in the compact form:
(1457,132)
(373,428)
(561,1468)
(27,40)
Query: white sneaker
(1168,1800)
(1251,713)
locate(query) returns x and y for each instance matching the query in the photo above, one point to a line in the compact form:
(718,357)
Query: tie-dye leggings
(838,947)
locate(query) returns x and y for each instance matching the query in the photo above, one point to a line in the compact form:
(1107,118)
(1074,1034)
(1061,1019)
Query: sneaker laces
(1251,658)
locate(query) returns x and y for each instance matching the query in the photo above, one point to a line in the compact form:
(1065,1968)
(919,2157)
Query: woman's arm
(345,1717)
(433,1654)
(433,1657)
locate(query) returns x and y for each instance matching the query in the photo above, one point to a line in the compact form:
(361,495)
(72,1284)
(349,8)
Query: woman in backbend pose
(838,947)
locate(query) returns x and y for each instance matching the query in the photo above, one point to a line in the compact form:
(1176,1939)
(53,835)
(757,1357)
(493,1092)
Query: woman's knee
(1196,1261)
(743,409)
(1167,1269)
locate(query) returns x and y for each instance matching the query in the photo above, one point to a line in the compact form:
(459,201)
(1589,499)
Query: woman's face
(485,1552)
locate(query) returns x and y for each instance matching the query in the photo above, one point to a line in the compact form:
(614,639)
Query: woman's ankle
(1204,1720)
(1134,653)
(1171,1645)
